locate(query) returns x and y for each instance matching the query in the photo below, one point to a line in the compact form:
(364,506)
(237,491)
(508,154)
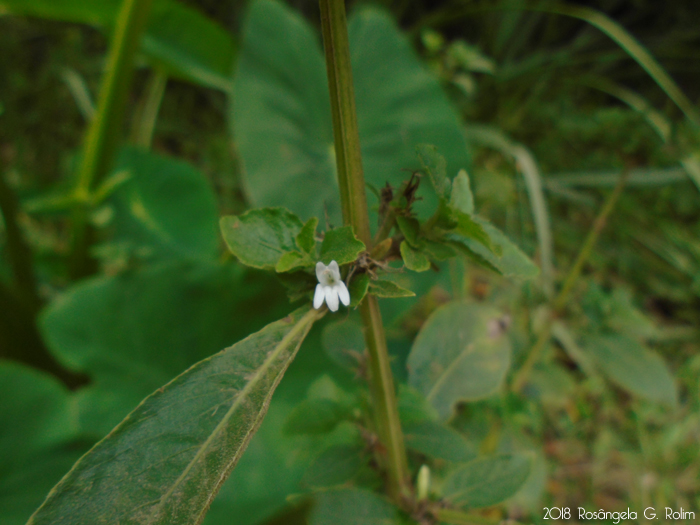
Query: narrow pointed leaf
(436,167)
(388,289)
(167,460)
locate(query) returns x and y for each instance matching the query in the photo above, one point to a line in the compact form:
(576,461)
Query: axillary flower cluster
(330,287)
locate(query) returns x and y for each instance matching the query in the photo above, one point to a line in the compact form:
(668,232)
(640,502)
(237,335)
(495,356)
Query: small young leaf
(358,289)
(388,289)
(410,229)
(460,354)
(436,167)
(306,240)
(341,245)
(292,261)
(190,435)
(335,466)
(351,507)
(486,481)
(438,441)
(380,250)
(315,416)
(462,198)
(260,237)
(343,342)
(634,367)
(413,259)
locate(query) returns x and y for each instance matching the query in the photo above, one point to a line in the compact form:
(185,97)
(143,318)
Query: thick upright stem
(106,128)
(354,205)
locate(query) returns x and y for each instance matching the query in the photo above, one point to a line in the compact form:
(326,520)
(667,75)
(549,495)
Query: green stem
(354,206)
(106,128)
(574,273)
(148,112)
(19,253)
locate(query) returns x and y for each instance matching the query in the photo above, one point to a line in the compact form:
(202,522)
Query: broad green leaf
(281,110)
(166,206)
(414,259)
(351,507)
(358,289)
(37,422)
(178,37)
(487,481)
(634,367)
(460,354)
(260,237)
(178,445)
(134,332)
(462,198)
(389,289)
(512,262)
(341,245)
(436,167)
(438,441)
(335,466)
(344,342)
(315,416)
(410,229)
(413,407)
(306,240)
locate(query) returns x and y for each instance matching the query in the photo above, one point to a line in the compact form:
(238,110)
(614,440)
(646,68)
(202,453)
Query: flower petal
(343,293)
(331,298)
(333,267)
(320,268)
(319,296)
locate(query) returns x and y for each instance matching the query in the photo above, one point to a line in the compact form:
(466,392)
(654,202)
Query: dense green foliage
(532,172)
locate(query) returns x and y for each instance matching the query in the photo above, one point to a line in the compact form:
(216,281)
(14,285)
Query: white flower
(330,287)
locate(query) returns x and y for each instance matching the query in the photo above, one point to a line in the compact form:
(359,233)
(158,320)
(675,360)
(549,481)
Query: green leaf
(413,407)
(315,416)
(281,110)
(178,445)
(410,229)
(634,367)
(414,259)
(351,507)
(178,37)
(336,465)
(341,245)
(460,354)
(438,441)
(470,228)
(388,289)
(438,250)
(462,198)
(260,237)
(134,332)
(511,263)
(487,481)
(358,289)
(344,342)
(306,240)
(166,205)
(436,168)
(293,261)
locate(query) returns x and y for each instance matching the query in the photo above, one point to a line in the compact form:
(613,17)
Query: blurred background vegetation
(547,95)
